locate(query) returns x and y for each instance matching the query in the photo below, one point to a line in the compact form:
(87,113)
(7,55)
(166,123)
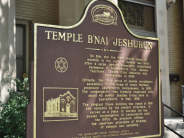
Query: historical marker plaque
(94,79)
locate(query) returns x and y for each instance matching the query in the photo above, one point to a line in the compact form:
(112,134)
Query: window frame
(25,23)
(144,32)
(142,2)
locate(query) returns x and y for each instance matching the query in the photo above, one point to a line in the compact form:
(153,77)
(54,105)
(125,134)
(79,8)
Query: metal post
(182,89)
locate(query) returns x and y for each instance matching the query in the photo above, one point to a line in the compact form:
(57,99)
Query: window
(20,50)
(139,16)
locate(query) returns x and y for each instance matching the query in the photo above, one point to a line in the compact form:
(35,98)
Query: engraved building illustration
(62,106)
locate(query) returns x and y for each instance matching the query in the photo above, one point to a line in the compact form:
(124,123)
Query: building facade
(62,106)
(151,18)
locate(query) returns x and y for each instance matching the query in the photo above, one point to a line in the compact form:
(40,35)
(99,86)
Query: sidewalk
(177,119)
(175,124)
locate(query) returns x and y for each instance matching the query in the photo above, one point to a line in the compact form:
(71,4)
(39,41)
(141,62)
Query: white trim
(144,33)
(26,23)
(162,34)
(141,2)
(7,45)
(115,2)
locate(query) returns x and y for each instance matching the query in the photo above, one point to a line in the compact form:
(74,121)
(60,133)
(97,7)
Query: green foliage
(13,115)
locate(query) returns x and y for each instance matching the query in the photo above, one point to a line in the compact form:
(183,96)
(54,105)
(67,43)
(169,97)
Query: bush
(13,115)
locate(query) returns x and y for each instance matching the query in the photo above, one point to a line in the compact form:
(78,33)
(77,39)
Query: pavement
(177,119)
(176,124)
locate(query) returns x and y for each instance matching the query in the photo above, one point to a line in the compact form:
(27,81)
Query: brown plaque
(95,79)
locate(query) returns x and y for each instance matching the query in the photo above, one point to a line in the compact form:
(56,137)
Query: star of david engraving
(61,65)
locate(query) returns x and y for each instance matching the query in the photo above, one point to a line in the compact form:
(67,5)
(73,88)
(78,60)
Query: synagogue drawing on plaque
(62,106)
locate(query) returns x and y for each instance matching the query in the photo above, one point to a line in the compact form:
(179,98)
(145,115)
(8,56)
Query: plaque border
(75,25)
(61,88)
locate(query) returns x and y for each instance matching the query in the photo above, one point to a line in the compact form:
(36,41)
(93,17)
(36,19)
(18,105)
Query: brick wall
(176,52)
(37,11)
